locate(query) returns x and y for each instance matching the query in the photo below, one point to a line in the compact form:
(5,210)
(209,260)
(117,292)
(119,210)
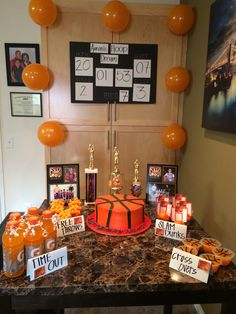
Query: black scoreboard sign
(108,72)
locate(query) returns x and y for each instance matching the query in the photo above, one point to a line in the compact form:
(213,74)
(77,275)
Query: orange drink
(34,240)
(13,250)
(49,231)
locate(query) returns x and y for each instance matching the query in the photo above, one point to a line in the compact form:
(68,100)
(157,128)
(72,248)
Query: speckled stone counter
(132,270)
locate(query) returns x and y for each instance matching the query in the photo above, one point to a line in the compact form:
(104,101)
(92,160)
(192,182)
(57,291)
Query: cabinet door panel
(143,144)
(75,150)
(72,27)
(154,30)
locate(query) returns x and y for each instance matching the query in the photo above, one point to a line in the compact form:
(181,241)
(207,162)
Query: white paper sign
(141,92)
(47,263)
(191,265)
(98,48)
(84,91)
(104,77)
(124,78)
(170,230)
(123,95)
(120,49)
(83,66)
(109,59)
(70,225)
(142,68)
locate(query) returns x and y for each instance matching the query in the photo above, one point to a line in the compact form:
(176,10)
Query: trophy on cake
(91,178)
(136,188)
(115,181)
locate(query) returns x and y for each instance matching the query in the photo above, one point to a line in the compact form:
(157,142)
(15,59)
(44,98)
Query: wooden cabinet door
(149,26)
(75,150)
(144,144)
(79,26)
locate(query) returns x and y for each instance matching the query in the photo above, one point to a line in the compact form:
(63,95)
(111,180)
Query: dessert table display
(105,270)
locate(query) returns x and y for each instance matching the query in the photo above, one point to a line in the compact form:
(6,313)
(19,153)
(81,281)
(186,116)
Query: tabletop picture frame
(63,182)
(18,56)
(26,104)
(162,179)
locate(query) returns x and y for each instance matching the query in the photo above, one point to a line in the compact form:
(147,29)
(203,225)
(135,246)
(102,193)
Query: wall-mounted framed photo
(161,180)
(63,182)
(26,104)
(18,56)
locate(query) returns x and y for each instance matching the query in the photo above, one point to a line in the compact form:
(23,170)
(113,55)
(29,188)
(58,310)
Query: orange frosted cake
(119,211)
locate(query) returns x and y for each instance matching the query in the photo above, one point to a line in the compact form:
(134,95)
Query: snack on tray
(215,260)
(74,208)
(188,249)
(209,244)
(192,243)
(226,255)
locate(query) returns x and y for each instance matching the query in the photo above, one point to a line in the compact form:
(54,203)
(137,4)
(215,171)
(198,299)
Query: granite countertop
(105,264)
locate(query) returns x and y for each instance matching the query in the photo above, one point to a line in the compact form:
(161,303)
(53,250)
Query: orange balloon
(36,76)
(177,79)
(115,16)
(173,136)
(181,19)
(51,133)
(43,12)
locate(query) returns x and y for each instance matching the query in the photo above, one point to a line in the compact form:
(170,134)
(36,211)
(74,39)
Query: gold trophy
(136,188)
(91,178)
(115,181)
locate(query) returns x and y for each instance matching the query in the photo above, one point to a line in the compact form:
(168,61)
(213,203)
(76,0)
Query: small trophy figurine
(136,188)
(91,178)
(115,181)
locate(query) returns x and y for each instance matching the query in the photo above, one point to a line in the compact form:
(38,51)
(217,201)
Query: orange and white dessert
(215,260)
(209,244)
(226,255)
(188,249)
(191,242)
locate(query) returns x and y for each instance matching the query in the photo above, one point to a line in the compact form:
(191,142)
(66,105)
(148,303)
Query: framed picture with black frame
(26,104)
(63,182)
(162,179)
(18,56)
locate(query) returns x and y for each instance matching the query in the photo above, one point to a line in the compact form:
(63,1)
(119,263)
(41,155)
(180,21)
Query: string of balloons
(115,17)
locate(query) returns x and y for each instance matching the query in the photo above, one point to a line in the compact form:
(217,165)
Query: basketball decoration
(181,19)
(36,76)
(115,16)
(51,133)
(43,12)
(177,79)
(173,136)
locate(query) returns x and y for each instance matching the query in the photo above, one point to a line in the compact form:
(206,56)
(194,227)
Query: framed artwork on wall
(26,104)
(18,56)
(161,180)
(219,108)
(63,182)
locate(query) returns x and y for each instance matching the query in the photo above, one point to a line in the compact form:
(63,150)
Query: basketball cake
(118,214)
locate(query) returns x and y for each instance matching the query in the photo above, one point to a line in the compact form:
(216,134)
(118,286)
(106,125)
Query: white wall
(22,168)
(22,179)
